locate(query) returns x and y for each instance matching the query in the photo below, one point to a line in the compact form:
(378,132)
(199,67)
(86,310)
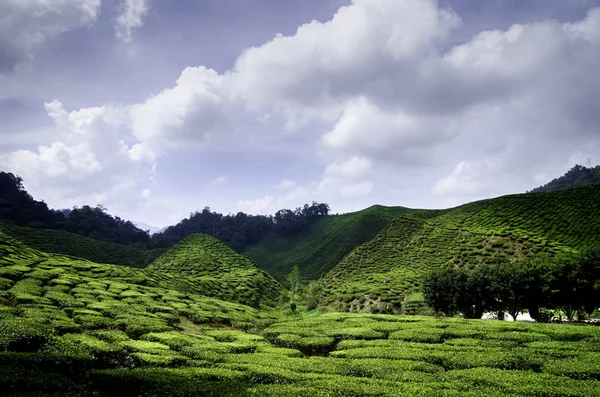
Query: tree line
(566,283)
(18,207)
(240,230)
(577,176)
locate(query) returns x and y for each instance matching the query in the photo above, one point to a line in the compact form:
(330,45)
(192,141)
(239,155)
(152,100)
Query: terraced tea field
(203,264)
(231,277)
(60,242)
(324,245)
(379,274)
(172,353)
(200,320)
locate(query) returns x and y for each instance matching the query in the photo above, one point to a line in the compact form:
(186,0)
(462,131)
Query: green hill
(202,263)
(381,272)
(61,242)
(326,243)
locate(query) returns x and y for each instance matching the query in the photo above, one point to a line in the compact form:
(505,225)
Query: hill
(61,242)
(577,176)
(323,245)
(202,263)
(71,327)
(383,271)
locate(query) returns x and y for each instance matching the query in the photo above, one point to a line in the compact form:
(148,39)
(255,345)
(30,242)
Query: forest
(18,207)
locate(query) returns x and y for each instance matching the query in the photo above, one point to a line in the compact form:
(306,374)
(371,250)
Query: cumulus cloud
(89,161)
(27,25)
(380,73)
(193,112)
(383,91)
(130,18)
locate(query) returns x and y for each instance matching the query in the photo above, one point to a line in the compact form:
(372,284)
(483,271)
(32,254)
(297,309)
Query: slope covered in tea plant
(507,228)
(326,243)
(203,263)
(65,243)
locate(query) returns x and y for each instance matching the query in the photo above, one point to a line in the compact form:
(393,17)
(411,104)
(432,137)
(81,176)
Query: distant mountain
(150,228)
(575,177)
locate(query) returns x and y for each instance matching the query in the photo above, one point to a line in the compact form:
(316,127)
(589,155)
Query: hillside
(577,176)
(392,264)
(65,243)
(326,243)
(203,263)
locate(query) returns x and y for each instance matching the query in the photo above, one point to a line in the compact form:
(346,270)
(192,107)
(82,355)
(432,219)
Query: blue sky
(157,108)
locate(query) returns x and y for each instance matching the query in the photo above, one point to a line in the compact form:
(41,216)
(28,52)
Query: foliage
(381,273)
(205,261)
(567,283)
(237,231)
(324,244)
(19,208)
(61,242)
(73,327)
(577,176)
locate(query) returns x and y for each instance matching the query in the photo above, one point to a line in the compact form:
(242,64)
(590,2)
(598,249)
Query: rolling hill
(65,243)
(203,264)
(381,272)
(209,269)
(326,243)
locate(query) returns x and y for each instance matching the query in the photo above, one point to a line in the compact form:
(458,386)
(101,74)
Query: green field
(202,320)
(203,264)
(61,242)
(382,272)
(325,244)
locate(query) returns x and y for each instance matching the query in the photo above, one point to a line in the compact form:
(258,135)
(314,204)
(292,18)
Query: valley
(79,316)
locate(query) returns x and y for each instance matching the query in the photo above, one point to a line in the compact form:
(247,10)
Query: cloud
(27,25)
(286,184)
(391,89)
(146,193)
(193,112)
(380,90)
(221,180)
(130,18)
(262,205)
(89,160)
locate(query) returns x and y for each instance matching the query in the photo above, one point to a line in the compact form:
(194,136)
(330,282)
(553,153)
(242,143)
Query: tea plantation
(61,242)
(325,244)
(382,272)
(202,320)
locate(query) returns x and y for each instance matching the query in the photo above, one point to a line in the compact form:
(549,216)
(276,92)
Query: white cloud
(389,91)
(221,180)
(194,111)
(146,193)
(130,19)
(89,160)
(382,93)
(262,205)
(25,25)
(353,168)
(286,184)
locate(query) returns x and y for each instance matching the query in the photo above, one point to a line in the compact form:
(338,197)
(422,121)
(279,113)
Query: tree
(441,289)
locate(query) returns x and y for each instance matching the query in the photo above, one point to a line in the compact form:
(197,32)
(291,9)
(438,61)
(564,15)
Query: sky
(158,108)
